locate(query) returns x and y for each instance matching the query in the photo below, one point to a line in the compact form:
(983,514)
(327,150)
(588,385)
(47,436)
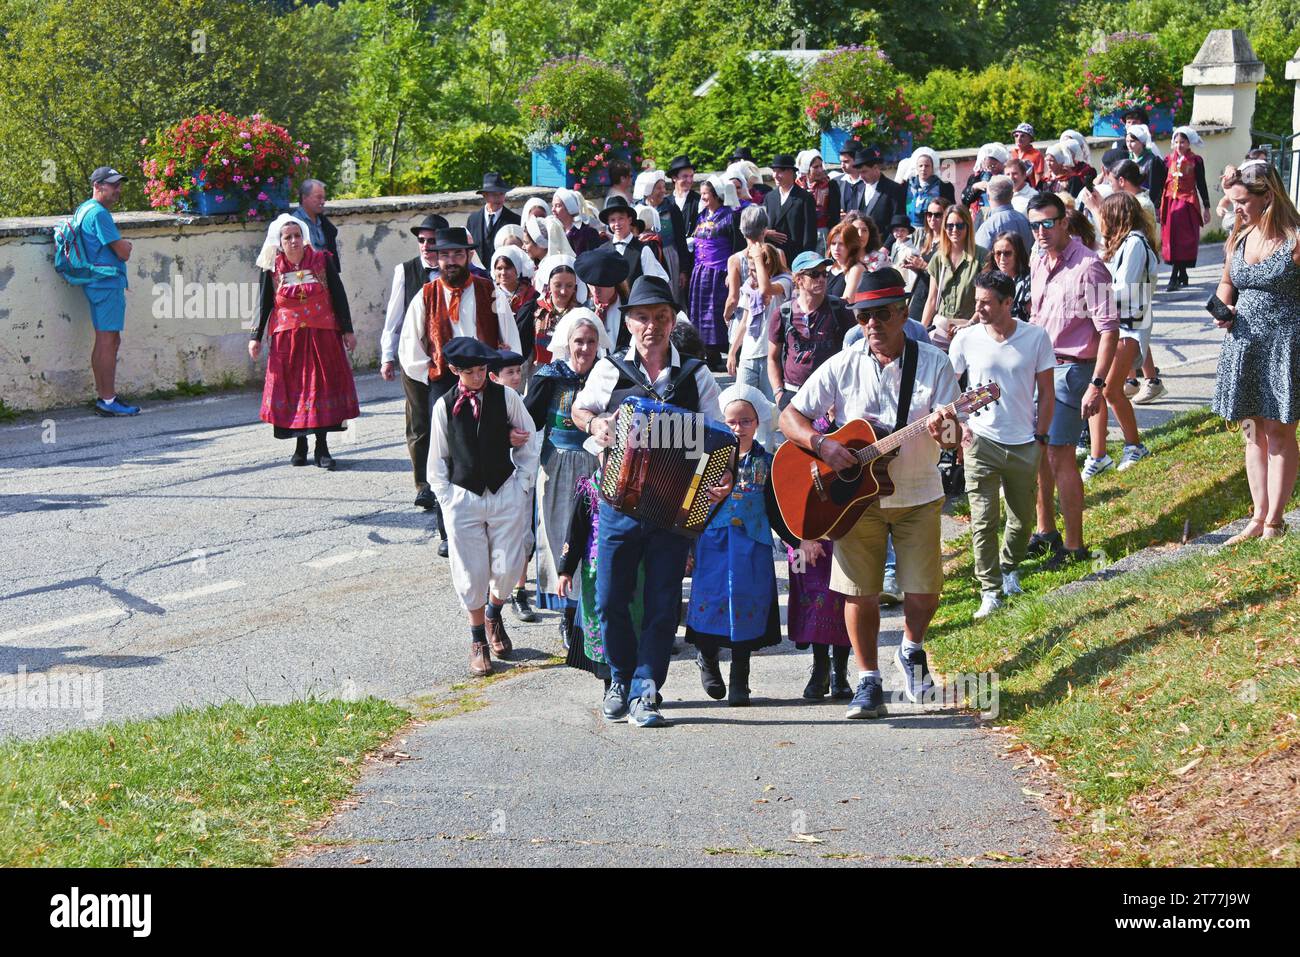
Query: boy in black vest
(509,372)
(482,466)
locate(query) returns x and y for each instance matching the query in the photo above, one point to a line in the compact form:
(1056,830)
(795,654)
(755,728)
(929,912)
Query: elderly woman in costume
(579,339)
(716,234)
(989,162)
(559,290)
(733,589)
(309,388)
(925,185)
(1184,206)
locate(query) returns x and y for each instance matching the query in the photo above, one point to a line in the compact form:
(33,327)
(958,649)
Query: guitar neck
(895,440)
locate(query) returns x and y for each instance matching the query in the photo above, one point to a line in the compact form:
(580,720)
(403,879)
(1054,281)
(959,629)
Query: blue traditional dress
(733,591)
(550,396)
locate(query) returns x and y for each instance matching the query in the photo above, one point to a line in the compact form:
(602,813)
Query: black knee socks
(301,447)
(821,653)
(322,444)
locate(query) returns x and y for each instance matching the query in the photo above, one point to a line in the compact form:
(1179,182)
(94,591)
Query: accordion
(662,460)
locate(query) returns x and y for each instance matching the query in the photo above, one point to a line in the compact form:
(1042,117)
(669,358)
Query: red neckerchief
(464,395)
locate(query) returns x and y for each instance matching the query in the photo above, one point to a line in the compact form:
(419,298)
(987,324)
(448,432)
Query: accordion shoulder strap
(638,378)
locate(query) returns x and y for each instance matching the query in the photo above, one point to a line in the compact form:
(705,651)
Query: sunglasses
(815,274)
(1036,225)
(954,227)
(930,215)
(426,242)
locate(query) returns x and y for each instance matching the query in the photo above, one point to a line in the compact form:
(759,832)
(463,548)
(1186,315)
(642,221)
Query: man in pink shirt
(1070,293)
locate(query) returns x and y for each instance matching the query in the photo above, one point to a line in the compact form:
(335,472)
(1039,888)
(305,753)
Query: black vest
(415,274)
(479,451)
(681,391)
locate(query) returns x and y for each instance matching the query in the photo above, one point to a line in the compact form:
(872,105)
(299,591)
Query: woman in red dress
(1184,207)
(309,388)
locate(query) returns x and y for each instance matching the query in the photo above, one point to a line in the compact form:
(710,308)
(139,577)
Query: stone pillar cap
(1226,58)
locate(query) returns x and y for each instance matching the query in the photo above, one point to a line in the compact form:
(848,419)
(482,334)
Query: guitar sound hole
(845,487)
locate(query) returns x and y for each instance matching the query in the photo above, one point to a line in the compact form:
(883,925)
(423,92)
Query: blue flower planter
(1112,124)
(206,204)
(550,168)
(833,140)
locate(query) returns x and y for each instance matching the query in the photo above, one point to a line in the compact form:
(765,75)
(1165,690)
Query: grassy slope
(1124,686)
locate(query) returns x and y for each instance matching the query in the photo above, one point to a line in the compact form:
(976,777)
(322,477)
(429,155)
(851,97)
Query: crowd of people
(827,297)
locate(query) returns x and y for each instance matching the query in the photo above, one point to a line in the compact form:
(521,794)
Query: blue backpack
(70,259)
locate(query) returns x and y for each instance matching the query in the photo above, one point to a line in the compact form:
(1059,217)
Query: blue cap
(809,260)
(506,357)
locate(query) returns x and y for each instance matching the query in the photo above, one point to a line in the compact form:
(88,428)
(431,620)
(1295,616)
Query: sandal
(1246,534)
(1278,530)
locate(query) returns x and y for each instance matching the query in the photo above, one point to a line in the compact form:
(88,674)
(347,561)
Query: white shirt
(1133,270)
(394,316)
(410,348)
(595,395)
(756,347)
(525,456)
(1013,365)
(613,318)
(854,384)
(868,193)
(1020,199)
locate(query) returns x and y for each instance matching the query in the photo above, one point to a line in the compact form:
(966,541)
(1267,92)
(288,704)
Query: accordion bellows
(661,462)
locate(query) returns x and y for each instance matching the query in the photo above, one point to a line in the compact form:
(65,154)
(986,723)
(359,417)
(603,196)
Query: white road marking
(104,614)
(340,559)
(199,592)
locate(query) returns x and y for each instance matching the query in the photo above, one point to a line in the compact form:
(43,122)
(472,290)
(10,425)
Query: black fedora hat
(868,156)
(493,183)
(900,219)
(454,237)
(678,164)
(602,266)
(432,221)
(880,288)
(742,153)
(466,352)
(650,291)
(783,161)
(616,204)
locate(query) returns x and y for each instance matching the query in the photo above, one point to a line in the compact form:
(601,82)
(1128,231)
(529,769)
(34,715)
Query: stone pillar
(1224,75)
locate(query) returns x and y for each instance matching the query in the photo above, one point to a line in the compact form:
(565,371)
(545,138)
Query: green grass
(1122,686)
(8,413)
(182,390)
(229,785)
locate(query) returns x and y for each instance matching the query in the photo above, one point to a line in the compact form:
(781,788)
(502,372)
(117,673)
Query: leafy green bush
(859,89)
(461,155)
(1128,69)
(586,106)
(974,108)
(755,103)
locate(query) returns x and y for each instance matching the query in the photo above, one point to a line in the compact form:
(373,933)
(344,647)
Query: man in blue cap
(104,246)
(627,547)
(483,476)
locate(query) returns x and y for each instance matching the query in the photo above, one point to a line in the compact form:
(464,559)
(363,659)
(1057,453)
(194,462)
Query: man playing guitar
(865,380)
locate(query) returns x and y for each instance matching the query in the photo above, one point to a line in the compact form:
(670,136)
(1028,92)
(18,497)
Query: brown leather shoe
(498,639)
(480,663)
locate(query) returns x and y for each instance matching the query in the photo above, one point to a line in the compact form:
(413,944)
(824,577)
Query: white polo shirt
(853,383)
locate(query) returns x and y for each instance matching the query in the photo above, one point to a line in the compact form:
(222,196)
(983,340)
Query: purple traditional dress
(714,233)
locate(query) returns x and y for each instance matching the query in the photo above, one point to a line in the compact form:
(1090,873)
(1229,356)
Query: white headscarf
(995,150)
(1062,153)
(924,151)
(906,169)
(518,258)
(803,162)
(535,229)
(738,171)
(582,316)
(508,232)
(534,201)
(1083,152)
(725,187)
(571,199)
(1193,137)
(1142,134)
(649,217)
(747,393)
(645,183)
(542,278)
(271,245)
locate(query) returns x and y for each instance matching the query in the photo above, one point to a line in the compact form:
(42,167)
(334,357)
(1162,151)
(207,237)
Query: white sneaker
(1131,387)
(1011,583)
(1132,455)
(990,602)
(1149,392)
(1094,467)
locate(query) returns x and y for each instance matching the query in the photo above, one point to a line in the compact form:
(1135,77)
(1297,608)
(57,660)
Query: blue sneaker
(643,712)
(115,408)
(615,706)
(917,683)
(868,701)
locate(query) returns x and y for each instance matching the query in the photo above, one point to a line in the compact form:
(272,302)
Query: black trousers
(418,422)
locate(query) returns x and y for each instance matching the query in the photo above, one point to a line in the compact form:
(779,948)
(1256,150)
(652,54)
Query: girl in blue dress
(733,591)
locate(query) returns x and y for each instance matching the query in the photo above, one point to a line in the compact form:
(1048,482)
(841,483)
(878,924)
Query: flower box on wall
(226,202)
(1112,124)
(833,140)
(550,168)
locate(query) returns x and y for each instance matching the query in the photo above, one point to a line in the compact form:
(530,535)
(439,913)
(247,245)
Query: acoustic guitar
(818,502)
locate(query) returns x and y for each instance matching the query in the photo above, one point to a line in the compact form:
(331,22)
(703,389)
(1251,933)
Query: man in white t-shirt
(1003,444)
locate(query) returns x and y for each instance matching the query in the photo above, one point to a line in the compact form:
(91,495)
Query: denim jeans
(625,543)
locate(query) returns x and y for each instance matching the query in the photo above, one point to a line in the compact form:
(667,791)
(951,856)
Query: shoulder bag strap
(910,353)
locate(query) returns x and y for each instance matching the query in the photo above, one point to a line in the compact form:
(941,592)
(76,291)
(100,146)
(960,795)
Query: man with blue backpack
(99,267)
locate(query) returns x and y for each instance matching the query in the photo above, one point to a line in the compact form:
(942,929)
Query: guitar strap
(910,353)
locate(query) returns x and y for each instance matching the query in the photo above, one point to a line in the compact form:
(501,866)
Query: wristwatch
(1099,383)
(1040,438)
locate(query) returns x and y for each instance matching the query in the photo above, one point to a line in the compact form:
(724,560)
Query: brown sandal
(1246,534)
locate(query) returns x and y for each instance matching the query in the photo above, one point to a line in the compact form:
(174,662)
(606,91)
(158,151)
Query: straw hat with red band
(884,287)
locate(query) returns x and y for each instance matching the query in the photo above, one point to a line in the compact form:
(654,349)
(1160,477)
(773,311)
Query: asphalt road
(179,558)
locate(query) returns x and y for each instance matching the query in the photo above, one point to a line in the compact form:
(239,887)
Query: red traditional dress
(1180,214)
(309,385)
